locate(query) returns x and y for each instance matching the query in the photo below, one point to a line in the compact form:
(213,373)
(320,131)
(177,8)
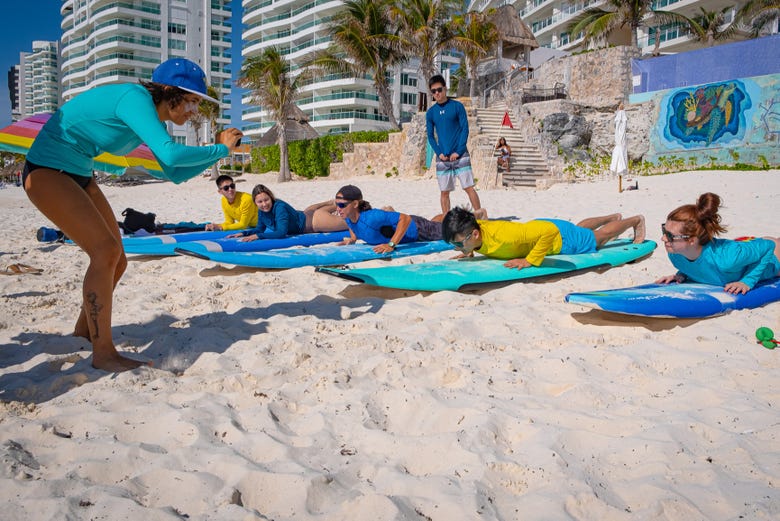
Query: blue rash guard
(116,119)
(281,221)
(370,223)
(452,128)
(723,261)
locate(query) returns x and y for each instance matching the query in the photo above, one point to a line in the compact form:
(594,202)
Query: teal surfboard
(463,273)
(677,300)
(325,255)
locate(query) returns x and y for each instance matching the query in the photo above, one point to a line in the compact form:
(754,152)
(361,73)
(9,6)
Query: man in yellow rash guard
(239,208)
(526,244)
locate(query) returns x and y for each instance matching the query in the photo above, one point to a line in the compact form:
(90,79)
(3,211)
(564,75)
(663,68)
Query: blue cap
(184,74)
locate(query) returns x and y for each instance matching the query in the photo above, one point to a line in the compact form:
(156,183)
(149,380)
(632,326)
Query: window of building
(177,44)
(175,28)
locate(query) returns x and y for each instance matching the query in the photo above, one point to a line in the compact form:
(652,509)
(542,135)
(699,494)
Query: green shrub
(312,157)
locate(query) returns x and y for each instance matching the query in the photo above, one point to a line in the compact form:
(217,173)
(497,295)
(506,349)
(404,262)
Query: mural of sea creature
(706,114)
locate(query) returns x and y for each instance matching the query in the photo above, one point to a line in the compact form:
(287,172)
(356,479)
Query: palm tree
(209,112)
(706,26)
(425,30)
(475,35)
(762,14)
(598,23)
(362,33)
(268,76)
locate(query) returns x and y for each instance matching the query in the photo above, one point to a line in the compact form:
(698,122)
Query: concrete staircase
(526,164)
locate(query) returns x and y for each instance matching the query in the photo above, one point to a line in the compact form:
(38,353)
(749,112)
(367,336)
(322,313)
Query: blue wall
(757,57)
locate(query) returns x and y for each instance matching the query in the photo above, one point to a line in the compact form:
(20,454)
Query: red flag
(506,121)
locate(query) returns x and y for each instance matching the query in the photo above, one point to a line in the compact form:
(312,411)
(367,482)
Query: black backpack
(135,220)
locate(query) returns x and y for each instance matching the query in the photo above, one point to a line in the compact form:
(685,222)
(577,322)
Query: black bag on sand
(135,220)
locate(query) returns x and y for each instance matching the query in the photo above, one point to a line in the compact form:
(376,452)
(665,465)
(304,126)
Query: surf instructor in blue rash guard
(58,176)
(447,127)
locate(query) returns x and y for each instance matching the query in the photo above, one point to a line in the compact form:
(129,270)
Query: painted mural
(708,114)
(728,122)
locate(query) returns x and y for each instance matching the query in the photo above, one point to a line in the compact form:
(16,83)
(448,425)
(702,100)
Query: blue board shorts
(447,171)
(576,239)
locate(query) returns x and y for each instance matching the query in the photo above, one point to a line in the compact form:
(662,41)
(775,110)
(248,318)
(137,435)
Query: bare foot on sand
(388,208)
(639,230)
(481,214)
(115,363)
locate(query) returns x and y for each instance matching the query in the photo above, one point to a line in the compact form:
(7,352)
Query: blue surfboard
(236,245)
(325,255)
(463,273)
(677,300)
(164,244)
(217,242)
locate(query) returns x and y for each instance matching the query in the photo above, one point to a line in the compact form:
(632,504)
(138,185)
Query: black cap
(350,193)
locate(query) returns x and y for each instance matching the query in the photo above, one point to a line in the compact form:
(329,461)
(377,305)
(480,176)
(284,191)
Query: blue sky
(28,20)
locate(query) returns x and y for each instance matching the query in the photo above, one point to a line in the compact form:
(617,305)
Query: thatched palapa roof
(298,128)
(513,30)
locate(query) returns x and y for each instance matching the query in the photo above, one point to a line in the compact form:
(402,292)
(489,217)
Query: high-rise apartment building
(110,41)
(15,91)
(550,19)
(333,103)
(35,87)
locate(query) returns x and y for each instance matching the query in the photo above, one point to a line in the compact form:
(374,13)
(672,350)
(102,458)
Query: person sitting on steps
(505,152)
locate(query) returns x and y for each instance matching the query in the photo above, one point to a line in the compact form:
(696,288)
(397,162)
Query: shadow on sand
(170,343)
(597,317)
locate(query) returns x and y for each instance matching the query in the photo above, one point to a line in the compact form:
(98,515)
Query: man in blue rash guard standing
(449,121)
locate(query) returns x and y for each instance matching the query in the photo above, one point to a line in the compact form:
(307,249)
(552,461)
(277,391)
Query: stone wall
(371,158)
(596,82)
(599,78)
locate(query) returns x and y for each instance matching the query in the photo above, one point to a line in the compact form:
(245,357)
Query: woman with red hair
(689,235)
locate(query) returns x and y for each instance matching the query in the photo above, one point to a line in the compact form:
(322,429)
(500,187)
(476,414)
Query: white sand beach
(292,395)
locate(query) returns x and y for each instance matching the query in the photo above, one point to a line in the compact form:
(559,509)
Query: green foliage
(664,165)
(744,166)
(312,158)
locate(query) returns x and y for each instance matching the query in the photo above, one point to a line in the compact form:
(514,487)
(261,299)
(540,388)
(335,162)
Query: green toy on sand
(766,337)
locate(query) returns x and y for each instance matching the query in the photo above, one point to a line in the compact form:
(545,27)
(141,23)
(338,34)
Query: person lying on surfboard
(277,219)
(238,208)
(384,228)
(526,244)
(689,237)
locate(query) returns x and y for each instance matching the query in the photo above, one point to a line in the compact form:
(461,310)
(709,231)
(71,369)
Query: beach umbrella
(19,136)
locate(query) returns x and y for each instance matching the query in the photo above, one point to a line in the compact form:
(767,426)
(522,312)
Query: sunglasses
(437,90)
(225,188)
(343,205)
(459,244)
(672,237)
